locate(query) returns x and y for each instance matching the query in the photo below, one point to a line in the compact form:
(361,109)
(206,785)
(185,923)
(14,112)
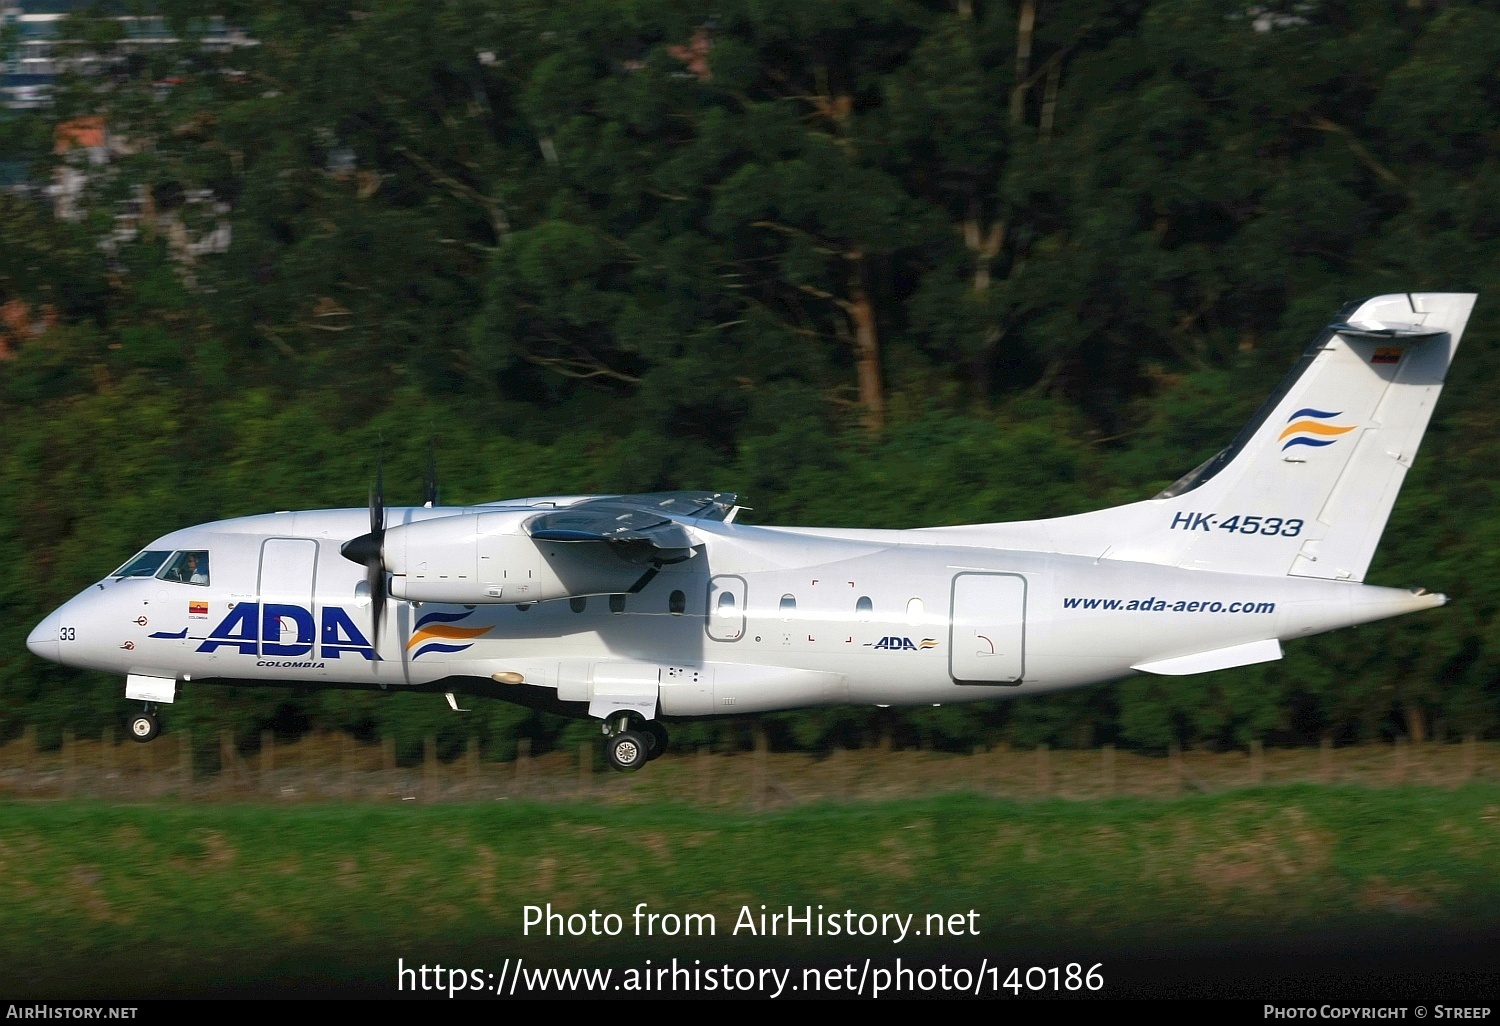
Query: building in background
(34,31)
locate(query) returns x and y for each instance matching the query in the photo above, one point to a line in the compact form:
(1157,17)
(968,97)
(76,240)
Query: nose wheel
(144,726)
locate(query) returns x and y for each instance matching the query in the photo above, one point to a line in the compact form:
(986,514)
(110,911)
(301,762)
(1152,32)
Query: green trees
(874,264)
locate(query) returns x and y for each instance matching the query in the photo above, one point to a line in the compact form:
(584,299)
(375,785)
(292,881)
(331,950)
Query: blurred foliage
(624,246)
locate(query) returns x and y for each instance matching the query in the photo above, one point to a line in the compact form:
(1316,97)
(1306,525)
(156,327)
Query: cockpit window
(144,565)
(187,568)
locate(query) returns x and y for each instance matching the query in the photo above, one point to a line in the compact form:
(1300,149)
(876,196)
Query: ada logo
(895,644)
(283,630)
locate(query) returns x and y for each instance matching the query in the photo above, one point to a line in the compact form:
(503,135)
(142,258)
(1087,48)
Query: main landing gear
(144,725)
(631,741)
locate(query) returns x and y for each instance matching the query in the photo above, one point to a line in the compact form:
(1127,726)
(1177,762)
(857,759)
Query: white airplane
(635,608)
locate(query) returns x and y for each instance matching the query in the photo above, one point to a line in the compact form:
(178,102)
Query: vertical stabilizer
(1307,486)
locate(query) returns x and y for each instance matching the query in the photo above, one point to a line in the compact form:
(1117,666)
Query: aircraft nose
(43,640)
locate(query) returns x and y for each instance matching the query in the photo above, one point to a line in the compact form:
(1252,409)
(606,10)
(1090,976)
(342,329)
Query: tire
(144,727)
(627,751)
(656,735)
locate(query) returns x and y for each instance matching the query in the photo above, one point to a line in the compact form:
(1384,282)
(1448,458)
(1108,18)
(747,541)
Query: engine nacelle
(478,558)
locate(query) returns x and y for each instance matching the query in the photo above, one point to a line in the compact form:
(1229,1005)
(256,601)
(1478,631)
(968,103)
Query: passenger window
(915,611)
(788,606)
(187,568)
(726,603)
(864,608)
(578,605)
(617,603)
(144,565)
(677,603)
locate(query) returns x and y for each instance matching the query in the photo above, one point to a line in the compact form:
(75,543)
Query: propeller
(430,488)
(366,549)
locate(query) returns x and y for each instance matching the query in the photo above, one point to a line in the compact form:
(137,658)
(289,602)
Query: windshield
(144,565)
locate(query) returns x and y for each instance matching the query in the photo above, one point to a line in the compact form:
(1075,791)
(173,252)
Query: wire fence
(338,767)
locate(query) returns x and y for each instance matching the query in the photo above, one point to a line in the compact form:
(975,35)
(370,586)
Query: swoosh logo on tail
(1309,427)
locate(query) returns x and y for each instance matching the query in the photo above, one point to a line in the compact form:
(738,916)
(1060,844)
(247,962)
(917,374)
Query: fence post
(523,766)
(758,779)
(1257,763)
(143,765)
(1107,758)
(69,756)
(429,769)
(267,760)
(388,754)
(185,760)
(107,742)
(227,760)
(28,739)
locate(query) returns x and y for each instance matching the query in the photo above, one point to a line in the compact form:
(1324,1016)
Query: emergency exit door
(987,640)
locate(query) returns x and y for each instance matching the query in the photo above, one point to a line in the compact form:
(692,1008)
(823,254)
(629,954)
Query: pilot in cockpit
(187,568)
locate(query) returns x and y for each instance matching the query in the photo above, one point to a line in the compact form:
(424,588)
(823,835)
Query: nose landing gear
(144,725)
(630,741)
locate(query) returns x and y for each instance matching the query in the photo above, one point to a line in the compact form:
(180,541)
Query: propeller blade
(374,563)
(377,503)
(375,579)
(430,492)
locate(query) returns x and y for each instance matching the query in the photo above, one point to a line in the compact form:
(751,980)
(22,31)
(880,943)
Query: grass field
(183,898)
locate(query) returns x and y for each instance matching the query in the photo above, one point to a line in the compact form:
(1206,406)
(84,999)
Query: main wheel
(627,751)
(656,735)
(144,726)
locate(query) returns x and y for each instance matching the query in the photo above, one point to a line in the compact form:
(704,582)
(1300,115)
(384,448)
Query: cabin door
(987,641)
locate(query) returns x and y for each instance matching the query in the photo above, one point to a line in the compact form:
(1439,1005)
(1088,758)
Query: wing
(641,528)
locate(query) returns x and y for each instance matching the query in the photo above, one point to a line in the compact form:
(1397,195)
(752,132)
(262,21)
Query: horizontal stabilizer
(1388,332)
(1217,659)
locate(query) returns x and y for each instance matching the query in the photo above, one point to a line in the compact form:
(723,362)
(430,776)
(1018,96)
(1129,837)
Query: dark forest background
(867,263)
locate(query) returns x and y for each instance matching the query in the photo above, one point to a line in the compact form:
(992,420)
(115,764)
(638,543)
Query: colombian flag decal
(1311,427)
(197,609)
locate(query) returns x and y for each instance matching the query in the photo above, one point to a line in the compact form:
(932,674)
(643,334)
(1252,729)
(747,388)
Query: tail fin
(1306,487)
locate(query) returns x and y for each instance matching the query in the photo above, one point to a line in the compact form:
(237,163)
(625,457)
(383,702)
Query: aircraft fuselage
(880,617)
